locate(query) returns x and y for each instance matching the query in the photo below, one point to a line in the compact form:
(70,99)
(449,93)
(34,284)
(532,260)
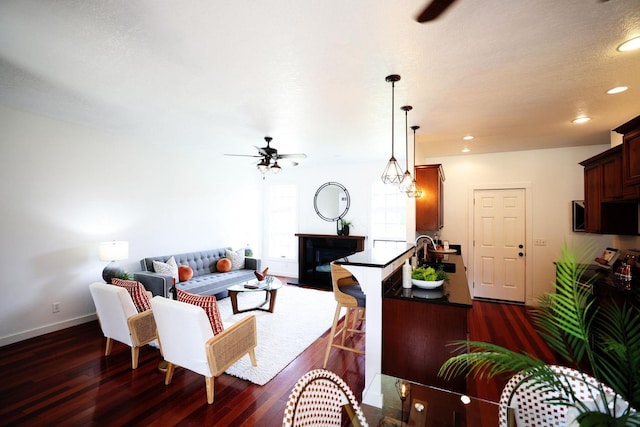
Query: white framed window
(282,221)
(388,216)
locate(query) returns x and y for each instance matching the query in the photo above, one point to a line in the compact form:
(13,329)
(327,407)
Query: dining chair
(348,294)
(521,405)
(120,321)
(318,399)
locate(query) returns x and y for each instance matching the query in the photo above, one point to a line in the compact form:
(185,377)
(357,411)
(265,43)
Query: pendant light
(406,178)
(392,173)
(412,189)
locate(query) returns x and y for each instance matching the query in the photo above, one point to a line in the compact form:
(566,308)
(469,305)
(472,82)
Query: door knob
(520,254)
(520,246)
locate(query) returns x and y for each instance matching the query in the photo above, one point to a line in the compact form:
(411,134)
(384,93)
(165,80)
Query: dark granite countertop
(379,258)
(455,292)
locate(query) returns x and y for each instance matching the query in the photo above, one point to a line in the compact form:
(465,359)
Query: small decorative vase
(345,230)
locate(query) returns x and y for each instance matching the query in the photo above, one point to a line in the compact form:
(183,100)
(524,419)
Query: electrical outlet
(55,307)
(540,242)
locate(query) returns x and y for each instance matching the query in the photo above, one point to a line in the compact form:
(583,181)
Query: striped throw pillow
(137,291)
(210,306)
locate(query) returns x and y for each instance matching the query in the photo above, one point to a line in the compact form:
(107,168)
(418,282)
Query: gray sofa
(206,279)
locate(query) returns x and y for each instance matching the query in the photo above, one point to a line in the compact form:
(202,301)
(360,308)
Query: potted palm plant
(602,339)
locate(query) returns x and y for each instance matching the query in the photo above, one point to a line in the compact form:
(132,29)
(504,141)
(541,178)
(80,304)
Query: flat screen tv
(578,215)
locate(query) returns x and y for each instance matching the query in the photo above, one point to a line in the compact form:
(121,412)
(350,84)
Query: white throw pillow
(237,258)
(169,268)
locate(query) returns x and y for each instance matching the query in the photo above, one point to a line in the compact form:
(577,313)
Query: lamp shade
(114,251)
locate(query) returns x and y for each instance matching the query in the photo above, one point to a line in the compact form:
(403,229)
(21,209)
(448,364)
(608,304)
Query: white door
(499,244)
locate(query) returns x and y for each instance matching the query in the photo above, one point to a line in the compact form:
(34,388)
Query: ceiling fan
(433,10)
(269,157)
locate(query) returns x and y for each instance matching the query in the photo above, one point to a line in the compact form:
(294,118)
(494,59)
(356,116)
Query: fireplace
(316,251)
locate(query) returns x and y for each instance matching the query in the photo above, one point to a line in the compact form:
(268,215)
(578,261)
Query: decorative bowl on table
(424,284)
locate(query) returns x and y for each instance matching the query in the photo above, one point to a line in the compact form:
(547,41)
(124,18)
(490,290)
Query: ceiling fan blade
(292,156)
(434,10)
(262,150)
(243,155)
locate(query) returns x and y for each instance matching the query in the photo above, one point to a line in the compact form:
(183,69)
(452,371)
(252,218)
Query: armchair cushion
(137,291)
(210,306)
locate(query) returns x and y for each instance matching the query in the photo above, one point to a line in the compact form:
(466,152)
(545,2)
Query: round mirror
(331,201)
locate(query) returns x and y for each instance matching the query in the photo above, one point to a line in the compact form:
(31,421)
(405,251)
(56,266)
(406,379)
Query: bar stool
(348,294)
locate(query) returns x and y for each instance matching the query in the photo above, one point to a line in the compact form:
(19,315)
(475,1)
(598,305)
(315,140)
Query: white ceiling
(311,73)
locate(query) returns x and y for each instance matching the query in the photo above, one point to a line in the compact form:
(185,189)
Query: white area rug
(300,317)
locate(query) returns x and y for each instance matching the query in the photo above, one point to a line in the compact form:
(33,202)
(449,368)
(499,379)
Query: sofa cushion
(216,283)
(185,273)
(137,291)
(170,268)
(236,258)
(223,265)
(210,306)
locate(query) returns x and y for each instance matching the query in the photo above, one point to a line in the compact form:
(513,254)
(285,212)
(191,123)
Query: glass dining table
(424,405)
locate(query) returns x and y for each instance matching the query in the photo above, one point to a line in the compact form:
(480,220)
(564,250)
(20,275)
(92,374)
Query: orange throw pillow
(223,265)
(185,273)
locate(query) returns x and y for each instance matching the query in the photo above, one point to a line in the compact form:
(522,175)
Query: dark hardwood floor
(63,378)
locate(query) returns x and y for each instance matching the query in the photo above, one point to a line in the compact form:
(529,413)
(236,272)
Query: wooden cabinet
(592,198)
(611,207)
(430,207)
(416,339)
(630,151)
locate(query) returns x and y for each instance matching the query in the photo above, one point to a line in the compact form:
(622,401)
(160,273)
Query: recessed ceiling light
(466,150)
(617,89)
(581,120)
(631,44)
(467,137)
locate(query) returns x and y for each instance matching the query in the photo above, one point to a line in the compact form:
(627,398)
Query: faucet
(424,236)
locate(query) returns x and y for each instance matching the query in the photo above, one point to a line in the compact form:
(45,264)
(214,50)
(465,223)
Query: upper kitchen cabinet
(430,206)
(630,151)
(611,207)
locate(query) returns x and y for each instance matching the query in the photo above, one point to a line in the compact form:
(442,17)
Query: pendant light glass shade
(406,177)
(392,173)
(412,189)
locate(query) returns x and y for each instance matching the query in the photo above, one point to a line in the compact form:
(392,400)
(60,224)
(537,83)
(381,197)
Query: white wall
(553,177)
(65,188)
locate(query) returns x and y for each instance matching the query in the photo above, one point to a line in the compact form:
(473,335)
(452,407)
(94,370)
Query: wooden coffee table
(270,290)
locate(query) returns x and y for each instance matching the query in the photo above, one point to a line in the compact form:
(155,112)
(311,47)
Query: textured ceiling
(311,73)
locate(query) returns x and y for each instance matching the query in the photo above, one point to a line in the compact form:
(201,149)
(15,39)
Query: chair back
(346,289)
(317,400)
(531,407)
(183,330)
(113,307)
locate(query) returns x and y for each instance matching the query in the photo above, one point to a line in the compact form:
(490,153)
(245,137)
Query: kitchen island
(371,268)
(418,326)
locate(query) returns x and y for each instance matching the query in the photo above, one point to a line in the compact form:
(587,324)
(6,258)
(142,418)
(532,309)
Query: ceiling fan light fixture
(263,166)
(392,173)
(631,44)
(275,168)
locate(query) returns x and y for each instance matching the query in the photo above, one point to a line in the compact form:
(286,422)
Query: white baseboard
(31,333)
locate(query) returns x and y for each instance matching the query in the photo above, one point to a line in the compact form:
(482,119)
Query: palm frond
(604,338)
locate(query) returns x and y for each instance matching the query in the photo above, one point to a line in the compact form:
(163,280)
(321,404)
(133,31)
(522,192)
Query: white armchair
(120,321)
(187,340)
